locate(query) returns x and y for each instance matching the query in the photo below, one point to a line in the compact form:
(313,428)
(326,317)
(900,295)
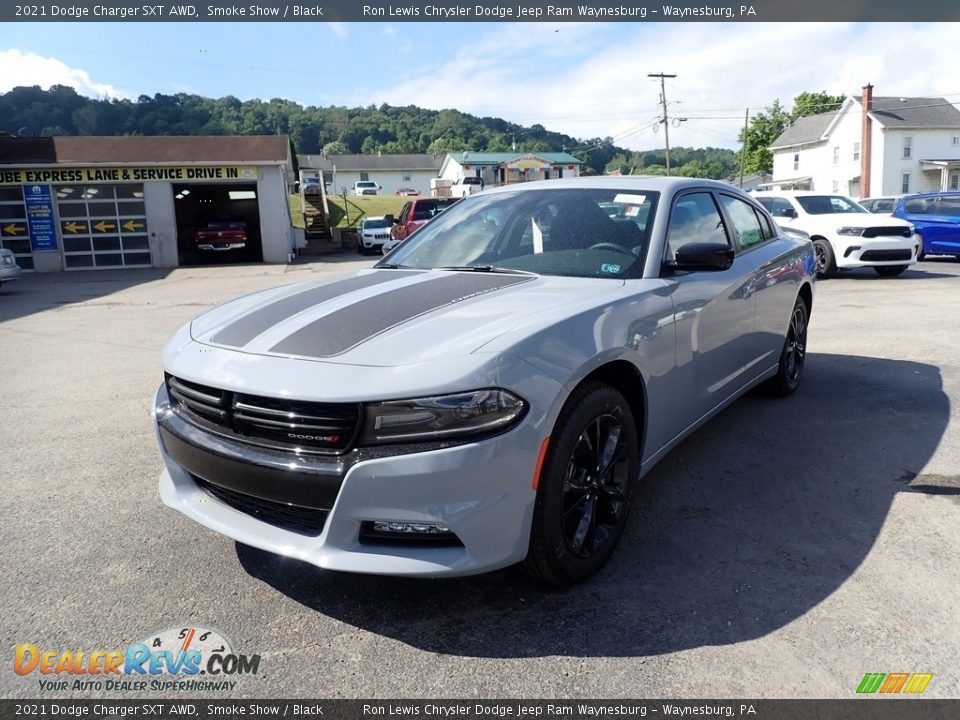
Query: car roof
(798,193)
(374,217)
(649,183)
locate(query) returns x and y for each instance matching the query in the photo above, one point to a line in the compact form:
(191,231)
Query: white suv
(844,234)
(366,187)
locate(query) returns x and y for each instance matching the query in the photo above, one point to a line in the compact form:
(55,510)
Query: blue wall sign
(39,202)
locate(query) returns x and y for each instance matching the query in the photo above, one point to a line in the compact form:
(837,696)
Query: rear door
(945,224)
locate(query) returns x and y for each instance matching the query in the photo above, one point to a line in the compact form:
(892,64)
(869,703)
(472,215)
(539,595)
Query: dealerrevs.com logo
(186,658)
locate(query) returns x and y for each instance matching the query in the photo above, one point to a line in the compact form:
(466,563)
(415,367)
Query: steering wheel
(610,246)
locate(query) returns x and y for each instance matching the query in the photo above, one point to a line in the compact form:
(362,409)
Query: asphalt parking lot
(785,550)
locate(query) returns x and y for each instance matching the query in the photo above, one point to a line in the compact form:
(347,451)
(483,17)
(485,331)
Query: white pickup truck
(466,186)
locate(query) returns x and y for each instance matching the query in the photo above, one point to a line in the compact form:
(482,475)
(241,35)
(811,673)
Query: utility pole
(743,149)
(663,100)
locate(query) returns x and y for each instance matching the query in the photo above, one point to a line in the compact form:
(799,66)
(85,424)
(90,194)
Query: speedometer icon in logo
(193,639)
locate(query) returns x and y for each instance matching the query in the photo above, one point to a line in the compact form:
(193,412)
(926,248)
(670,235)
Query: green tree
(810,103)
(762,130)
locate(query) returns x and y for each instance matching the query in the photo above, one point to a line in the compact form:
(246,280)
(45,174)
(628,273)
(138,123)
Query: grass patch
(360,206)
(357,207)
(296,210)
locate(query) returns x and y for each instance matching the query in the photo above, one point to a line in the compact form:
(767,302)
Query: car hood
(394,317)
(857,220)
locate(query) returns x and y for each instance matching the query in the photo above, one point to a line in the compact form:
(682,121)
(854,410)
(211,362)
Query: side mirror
(788,212)
(703,256)
(390,219)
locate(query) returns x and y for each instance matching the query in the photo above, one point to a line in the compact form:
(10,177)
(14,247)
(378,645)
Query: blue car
(936,216)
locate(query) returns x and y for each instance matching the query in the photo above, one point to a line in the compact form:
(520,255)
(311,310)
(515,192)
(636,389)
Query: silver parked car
(9,270)
(491,392)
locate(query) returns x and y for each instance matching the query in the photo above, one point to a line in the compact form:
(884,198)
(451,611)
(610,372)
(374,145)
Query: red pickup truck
(220,235)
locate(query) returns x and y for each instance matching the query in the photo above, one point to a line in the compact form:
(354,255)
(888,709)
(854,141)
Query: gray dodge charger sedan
(490,392)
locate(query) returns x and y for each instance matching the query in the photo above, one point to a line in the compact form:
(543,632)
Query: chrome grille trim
(268,422)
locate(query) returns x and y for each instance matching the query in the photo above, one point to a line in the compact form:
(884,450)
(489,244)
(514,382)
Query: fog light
(413,528)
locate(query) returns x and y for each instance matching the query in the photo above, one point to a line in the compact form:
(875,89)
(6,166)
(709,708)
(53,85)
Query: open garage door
(217,223)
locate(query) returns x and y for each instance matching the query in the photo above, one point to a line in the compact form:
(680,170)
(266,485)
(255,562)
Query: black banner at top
(479,11)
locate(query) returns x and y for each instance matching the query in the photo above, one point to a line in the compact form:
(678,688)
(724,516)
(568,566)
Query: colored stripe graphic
(918,682)
(894,682)
(870,682)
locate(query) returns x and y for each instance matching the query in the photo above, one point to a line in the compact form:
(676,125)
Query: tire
(580,513)
(921,253)
(794,353)
(826,263)
(360,248)
(889,270)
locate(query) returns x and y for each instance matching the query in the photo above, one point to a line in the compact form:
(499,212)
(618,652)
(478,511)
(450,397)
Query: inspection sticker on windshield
(630,199)
(610,268)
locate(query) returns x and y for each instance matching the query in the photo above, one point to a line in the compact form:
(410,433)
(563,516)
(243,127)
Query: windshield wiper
(393,266)
(487,269)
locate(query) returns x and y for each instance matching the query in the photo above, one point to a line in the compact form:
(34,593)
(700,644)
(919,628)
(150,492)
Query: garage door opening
(217,223)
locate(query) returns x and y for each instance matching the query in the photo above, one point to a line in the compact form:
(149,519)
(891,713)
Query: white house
(871,146)
(507,168)
(390,172)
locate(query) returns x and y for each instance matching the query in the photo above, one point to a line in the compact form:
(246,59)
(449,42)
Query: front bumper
(374,242)
(10,272)
(480,490)
(854,252)
(221,247)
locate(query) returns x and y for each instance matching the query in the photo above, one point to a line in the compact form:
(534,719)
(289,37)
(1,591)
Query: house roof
(807,129)
(95,150)
(498,158)
(890,112)
(915,112)
(347,163)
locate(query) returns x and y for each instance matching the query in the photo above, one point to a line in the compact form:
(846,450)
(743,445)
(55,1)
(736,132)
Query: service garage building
(69,203)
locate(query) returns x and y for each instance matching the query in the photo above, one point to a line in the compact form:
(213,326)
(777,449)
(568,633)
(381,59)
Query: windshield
(366,183)
(375,223)
(571,232)
(828,204)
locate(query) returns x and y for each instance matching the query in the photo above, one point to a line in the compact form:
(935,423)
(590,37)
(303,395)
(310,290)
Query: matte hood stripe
(262,319)
(348,327)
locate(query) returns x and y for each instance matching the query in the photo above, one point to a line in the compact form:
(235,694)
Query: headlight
(850,231)
(463,414)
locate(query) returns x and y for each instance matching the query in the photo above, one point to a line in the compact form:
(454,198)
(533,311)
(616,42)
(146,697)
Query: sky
(584,79)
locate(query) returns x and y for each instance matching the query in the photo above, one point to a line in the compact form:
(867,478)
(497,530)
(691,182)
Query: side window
(405,213)
(782,208)
(695,218)
(918,206)
(745,221)
(949,205)
(765,228)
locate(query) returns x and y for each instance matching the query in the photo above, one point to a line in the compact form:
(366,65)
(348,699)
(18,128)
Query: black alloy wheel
(594,488)
(585,486)
(823,253)
(794,353)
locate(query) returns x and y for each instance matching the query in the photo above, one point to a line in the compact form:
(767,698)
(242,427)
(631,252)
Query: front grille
(300,520)
(881,255)
(896,231)
(292,425)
